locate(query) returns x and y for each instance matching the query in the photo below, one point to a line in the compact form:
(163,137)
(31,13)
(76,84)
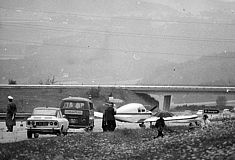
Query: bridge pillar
(167,102)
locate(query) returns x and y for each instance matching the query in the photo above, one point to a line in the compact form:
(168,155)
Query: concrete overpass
(163,94)
(136,88)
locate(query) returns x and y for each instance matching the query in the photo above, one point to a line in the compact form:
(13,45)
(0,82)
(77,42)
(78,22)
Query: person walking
(109,116)
(11,113)
(160,124)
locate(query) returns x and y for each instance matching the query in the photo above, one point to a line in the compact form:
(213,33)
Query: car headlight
(55,123)
(51,123)
(28,122)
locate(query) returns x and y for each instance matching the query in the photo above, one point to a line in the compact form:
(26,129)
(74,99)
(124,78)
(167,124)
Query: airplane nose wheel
(142,125)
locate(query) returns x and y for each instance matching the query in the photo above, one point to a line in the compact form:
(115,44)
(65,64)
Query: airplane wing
(120,118)
(174,118)
(140,121)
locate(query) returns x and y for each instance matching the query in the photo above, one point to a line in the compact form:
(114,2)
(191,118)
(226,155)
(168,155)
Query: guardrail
(19,116)
(136,88)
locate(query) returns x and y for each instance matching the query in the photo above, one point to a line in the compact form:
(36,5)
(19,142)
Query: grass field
(217,142)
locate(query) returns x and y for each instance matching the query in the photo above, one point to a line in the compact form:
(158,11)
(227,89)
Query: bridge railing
(19,116)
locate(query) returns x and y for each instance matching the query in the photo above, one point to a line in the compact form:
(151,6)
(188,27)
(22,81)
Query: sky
(143,30)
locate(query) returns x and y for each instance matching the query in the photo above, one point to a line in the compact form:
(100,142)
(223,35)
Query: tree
(11,81)
(49,81)
(94,92)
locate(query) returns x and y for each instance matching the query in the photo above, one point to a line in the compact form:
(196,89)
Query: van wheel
(91,128)
(29,134)
(36,135)
(86,129)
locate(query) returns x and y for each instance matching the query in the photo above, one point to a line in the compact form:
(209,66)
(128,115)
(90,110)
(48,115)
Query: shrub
(11,81)
(94,92)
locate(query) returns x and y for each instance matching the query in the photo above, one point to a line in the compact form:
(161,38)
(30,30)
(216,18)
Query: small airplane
(137,113)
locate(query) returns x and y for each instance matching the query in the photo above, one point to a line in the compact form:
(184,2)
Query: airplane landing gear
(142,125)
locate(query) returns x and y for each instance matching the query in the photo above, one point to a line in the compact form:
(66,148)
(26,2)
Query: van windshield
(73,105)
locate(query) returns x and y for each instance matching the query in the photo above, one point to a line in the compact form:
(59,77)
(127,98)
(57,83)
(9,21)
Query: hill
(214,70)
(107,42)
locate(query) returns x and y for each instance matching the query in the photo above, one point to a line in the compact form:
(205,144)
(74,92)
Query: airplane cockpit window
(141,110)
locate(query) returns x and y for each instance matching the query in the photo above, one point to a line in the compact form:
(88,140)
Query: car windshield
(73,105)
(45,112)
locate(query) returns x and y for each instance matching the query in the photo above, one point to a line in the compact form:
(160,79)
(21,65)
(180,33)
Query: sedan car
(46,120)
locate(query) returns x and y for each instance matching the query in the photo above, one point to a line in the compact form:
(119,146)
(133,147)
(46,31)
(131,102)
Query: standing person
(111,122)
(104,122)
(11,112)
(205,121)
(160,124)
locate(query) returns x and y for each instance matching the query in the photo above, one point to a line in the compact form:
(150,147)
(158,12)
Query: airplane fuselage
(133,117)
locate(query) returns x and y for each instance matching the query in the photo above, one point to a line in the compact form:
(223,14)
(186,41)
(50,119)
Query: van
(79,112)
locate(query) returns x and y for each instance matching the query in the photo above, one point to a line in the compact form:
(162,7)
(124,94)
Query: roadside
(19,133)
(216,142)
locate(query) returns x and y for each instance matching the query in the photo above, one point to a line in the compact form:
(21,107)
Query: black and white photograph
(117,79)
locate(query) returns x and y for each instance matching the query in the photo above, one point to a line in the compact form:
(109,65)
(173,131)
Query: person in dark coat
(11,112)
(109,116)
(160,124)
(104,122)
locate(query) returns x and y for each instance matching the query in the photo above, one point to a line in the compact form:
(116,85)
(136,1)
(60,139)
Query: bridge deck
(136,88)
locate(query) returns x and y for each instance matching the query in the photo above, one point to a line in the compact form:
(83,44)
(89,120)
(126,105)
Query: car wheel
(65,132)
(29,134)
(60,131)
(36,135)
